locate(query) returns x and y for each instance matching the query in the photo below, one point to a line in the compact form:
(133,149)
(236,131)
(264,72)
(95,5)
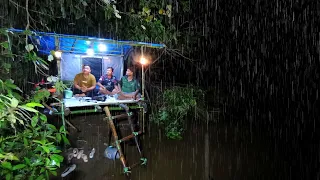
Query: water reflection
(236,151)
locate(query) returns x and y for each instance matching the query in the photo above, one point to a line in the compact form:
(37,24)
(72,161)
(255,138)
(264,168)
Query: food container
(67,94)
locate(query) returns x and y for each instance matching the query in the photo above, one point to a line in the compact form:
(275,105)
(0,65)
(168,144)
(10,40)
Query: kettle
(111,153)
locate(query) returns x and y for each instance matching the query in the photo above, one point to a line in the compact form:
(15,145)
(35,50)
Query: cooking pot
(111,153)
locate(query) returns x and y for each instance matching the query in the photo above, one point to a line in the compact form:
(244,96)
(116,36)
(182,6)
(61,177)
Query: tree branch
(30,10)
(28,19)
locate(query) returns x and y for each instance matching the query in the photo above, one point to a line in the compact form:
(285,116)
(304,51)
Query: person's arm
(138,87)
(133,94)
(94,83)
(99,83)
(119,85)
(120,89)
(92,87)
(115,87)
(101,86)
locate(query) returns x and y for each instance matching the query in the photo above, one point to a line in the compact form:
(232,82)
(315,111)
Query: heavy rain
(159,89)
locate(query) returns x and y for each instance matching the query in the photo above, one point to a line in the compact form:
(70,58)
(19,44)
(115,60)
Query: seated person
(84,83)
(108,83)
(129,86)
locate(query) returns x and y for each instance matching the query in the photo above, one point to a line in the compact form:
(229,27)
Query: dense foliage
(28,143)
(143,20)
(173,108)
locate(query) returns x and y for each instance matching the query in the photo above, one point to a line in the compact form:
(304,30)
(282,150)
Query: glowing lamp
(58,54)
(143,61)
(90,52)
(102,47)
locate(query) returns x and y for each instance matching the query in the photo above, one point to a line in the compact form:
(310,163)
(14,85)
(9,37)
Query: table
(77,102)
(87,101)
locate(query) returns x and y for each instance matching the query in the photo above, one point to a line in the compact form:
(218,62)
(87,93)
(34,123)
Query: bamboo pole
(117,142)
(94,39)
(126,108)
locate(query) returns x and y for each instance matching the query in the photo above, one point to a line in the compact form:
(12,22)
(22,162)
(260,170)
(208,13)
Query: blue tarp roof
(47,42)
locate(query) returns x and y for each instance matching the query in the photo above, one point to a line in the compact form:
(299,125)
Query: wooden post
(116,139)
(57,47)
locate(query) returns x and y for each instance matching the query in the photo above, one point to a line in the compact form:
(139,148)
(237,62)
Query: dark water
(237,149)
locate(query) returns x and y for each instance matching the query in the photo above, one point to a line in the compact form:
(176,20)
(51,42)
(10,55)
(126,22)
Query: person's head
(86,69)
(109,71)
(130,71)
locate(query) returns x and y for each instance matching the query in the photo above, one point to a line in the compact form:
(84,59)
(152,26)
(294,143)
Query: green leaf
(28,108)
(34,121)
(9,84)
(2,156)
(27,160)
(54,173)
(54,138)
(62,129)
(6,165)
(51,127)
(58,137)
(8,176)
(33,104)
(14,102)
(39,142)
(32,174)
(47,174)
(50,167)
(5,44)
(42,170)
(47,161)
(38,149)
(46,149)
(41,61)
(25,141)
(41,177)
(65,140)
(19,177)
(57,151)
(43,117)
(56,157)
(19,166)
(9,156)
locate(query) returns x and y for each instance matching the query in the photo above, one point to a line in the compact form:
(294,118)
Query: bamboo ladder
(117,142)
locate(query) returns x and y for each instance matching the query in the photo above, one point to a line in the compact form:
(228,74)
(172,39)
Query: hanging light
(90,52)
(58,54)
(143,61)
(102,47)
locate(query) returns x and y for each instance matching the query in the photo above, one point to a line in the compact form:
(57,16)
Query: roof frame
(68,43)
